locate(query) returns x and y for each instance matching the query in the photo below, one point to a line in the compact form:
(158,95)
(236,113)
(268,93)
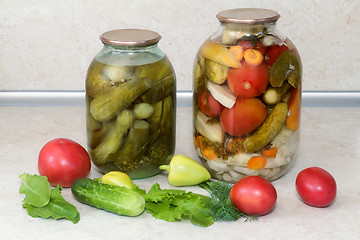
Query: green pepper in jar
(216,72)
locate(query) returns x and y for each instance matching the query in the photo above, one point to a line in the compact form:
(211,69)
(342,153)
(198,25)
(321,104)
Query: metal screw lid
(130,37)
(248,15)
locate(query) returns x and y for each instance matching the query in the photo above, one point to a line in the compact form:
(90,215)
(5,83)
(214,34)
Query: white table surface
(330,138)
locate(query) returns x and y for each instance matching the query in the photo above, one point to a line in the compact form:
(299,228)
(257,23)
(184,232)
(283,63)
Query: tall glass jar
(247,97)
(130,102)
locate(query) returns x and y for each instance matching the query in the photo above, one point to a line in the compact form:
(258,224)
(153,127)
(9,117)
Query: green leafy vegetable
(42,201)
(173,205)
(221,207)
(57,208)
(36,188)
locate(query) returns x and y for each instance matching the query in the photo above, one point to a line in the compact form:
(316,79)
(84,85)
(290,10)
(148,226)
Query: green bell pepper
(184,171)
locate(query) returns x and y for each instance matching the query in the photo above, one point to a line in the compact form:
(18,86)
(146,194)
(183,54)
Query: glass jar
(130,103)
(247,97)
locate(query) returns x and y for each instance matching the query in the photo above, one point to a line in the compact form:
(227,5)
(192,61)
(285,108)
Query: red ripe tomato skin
(244,117)
(316,187)
(253,195)
(274,52)
(209,105)
(63,161)
(248,81)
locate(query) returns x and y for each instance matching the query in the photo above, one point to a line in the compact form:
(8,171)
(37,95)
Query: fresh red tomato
(249,44)
(248,81)
(63,161)
(316,187)
(253,195)
(244,117)
(274,52)
(209,105)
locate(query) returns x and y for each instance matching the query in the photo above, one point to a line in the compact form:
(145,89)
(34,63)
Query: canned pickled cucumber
(130,101)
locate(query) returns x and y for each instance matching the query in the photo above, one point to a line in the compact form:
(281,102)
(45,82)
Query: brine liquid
(141,141)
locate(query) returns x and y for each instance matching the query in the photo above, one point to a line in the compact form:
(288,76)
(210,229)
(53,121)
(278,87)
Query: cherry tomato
(249,44)
(316,187)
(274,52)
(248,81)
(209,105)
(63,161)
(244,117)
(253,195)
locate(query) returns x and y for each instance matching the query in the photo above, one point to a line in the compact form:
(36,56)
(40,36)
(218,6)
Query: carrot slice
(237,51)
(253,57)
(292,121)
(271,153)
(257,162)
(209,154)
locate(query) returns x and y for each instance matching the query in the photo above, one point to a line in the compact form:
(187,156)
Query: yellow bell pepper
(219,53)
(117,178)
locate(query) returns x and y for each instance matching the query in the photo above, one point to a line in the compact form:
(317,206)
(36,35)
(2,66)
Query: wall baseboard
(184,98)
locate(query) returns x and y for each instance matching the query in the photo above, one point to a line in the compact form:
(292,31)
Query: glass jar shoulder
(232,33)
(129,56)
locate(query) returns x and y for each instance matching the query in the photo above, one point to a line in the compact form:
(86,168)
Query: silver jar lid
(130,37)
(248,15)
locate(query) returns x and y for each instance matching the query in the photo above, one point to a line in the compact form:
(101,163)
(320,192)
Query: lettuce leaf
(42,201)
(174,205)
(36,188)
(57,208)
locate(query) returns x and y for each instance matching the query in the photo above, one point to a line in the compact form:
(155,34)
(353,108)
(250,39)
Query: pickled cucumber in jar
(247,98)
(130,101)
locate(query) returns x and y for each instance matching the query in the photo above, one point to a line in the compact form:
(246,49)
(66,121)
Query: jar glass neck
(129,55)
(228,33)
(149,48)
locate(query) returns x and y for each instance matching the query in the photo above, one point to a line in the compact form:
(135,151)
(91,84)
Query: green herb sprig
(220,206)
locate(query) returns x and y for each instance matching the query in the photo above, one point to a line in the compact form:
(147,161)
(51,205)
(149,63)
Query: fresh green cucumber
(115,199)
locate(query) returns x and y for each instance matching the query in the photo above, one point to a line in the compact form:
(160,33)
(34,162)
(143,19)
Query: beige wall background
(48,45)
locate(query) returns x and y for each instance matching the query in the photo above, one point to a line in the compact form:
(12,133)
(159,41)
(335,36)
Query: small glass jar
(130,103)
(247,97)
